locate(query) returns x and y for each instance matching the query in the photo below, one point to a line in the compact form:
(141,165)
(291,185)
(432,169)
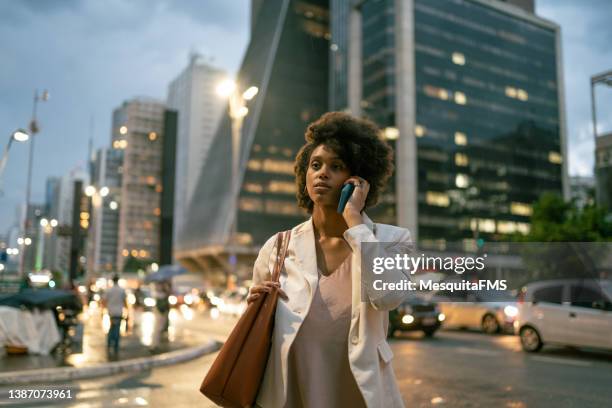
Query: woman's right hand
(265,287)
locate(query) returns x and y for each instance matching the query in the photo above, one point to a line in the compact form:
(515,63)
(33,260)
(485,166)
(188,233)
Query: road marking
(468,350)
(562,361)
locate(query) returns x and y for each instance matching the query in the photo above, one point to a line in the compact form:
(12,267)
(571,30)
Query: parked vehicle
(415,313)
(489,311)
(573,312)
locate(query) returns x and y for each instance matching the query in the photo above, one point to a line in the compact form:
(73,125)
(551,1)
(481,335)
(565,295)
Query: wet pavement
(139,338)
(452,369)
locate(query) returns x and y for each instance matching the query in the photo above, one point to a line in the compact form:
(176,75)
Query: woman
(329,344)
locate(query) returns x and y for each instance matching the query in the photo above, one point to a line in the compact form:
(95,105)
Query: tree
(566,241)
(554,220)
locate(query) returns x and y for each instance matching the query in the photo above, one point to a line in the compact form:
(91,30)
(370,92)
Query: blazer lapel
(304,244)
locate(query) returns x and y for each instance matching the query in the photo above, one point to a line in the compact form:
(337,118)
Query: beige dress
(319,371)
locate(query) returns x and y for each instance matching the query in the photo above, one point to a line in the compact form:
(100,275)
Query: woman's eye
(314,165)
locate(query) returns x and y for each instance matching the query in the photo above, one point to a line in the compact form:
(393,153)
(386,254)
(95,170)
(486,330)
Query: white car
(491,312)
(567,312)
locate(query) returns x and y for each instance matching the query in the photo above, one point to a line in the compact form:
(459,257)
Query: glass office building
(470,95)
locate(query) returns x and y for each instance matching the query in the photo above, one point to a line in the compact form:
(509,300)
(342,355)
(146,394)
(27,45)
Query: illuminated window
(506,227)
(123,130)
(390,133)
(134,253)
(523,227)
(435,92)
(282,207)
(142,253)
(482,224)
(256,148)
(253,187)
(461,180)
(461,159)
(287,152)
(522,95)
(152,136)
(460,139)
(251,204)
(437,199)
(555,158)
(460,98)
(272,149)
(520,209)
(278,166)
(159,188)
(157,212)
(419,131)
(150,180)
(254,165)
(125,252)
(458,58)
(282,187)
(511,92)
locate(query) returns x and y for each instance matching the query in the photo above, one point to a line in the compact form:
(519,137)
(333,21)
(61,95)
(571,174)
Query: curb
(105,369)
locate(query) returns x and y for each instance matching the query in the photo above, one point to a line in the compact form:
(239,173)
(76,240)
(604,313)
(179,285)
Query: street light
(18,135)
(237,112)
(34,129)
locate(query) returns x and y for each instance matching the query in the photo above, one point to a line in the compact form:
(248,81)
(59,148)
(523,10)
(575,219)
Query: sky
(92,55)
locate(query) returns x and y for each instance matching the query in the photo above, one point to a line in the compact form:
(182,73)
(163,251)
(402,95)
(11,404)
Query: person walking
(329,345)
(115,302)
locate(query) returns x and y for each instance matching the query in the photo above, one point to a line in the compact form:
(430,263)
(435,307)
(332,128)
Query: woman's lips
(321,189)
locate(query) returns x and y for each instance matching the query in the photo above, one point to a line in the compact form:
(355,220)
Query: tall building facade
(192,95)
(103,232)
(287,59)
(62,245)
(139,128)
(603,170)
(470,95)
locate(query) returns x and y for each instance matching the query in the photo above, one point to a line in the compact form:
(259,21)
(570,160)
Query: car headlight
(441,317)
(407,319)
(150,302)
(511,311)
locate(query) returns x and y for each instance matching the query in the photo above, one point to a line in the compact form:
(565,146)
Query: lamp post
(18,135)
(237,112)
(33,131)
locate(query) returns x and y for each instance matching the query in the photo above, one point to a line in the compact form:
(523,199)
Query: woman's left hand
(352,211)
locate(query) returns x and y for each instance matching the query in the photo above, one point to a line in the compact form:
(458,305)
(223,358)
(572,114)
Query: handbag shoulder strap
(282,243)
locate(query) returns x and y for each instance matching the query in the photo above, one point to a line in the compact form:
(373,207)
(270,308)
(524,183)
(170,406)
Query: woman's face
(325,176)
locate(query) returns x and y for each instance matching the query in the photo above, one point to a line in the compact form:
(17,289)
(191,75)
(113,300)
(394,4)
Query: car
(568,312)
(489,311)
(415,313)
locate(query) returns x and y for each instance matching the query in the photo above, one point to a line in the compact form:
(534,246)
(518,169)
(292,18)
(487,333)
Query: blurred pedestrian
(329,344)
(162,304)
(115,300)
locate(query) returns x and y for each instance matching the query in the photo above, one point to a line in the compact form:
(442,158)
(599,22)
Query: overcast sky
(92,55)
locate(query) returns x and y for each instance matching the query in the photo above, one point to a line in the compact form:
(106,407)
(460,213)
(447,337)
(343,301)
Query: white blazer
(369,353)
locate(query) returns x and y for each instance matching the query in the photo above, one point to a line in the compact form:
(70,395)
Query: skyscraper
(192,95)
(104,227)
(287,59)
(140,126)
(470,94)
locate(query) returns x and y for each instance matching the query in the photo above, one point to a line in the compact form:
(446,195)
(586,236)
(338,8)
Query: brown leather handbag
(236,374)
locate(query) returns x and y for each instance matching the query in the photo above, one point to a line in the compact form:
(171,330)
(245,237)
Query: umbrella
(43,299)
(165,273)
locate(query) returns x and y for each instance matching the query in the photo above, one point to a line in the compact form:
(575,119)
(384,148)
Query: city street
(454,369)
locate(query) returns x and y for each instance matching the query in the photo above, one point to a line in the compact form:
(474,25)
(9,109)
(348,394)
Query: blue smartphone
(345,194)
